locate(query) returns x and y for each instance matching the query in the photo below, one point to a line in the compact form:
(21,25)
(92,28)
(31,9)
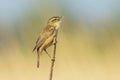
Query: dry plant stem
(53,59)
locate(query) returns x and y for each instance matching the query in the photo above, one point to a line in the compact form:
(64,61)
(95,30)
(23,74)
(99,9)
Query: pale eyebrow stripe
(51,19)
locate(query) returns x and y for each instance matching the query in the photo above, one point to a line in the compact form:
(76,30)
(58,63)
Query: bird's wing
(43,36)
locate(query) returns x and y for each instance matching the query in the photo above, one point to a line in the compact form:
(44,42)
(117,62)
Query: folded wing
(43,36)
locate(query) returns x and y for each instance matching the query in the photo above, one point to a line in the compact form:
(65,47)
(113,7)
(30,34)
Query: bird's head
(55,21)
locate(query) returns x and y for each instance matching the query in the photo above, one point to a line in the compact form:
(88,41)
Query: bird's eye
(55,19)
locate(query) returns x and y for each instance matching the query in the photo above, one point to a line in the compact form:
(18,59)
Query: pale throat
(57,25)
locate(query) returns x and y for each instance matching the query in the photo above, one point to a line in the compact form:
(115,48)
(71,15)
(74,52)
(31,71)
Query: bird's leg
(47,53)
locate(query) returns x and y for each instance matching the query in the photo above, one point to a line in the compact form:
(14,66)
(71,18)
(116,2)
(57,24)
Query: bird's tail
(38,58)
(34,48)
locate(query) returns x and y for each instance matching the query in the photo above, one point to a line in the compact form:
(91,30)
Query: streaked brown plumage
(47,36)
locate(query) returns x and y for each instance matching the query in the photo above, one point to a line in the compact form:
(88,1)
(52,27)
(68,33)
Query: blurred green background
(88,42)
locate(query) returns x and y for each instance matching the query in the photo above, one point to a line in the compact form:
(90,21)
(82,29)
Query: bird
(47,36)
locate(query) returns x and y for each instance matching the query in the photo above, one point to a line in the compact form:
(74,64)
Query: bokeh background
(88,42)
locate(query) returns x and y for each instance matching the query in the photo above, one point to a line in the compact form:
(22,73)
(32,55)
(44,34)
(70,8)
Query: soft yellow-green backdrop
(88,45)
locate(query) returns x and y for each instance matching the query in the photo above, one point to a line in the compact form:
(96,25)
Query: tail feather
(38,58)
(38,63)
(34,48)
